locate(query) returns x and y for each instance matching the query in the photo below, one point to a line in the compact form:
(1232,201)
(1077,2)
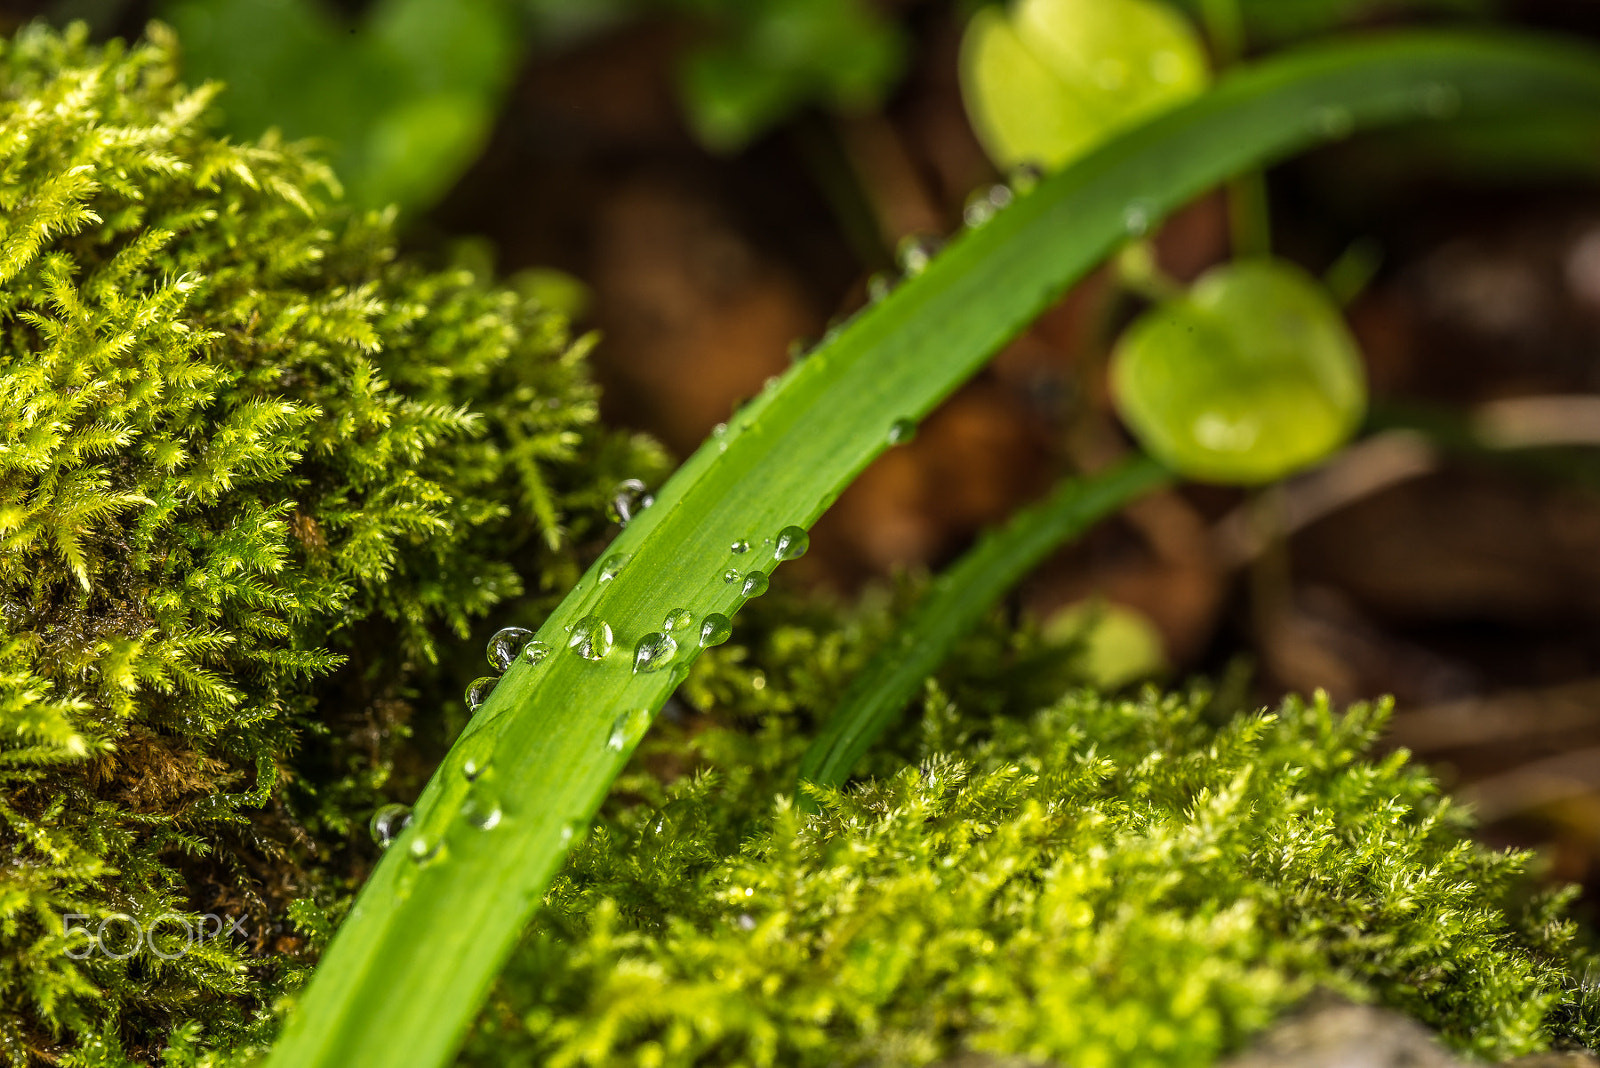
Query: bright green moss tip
(255,470)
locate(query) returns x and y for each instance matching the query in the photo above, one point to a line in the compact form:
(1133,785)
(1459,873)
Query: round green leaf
(1055,78)
(1250,376)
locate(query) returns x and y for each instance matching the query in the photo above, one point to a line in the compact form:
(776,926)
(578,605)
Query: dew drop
(1136,218)
(653,652)
(731,575)
(612,566)
(628,500)
(476,750)
(739,547)
(482,811)
(626,729)
(792,544)
(591,637)
(387,823)
(879,285)
(901,431)
(504,646)
(478,692)
(1024,177)
(535,652)
(985,204)
(424,848)
(679,619)
(716,629)
(1334,123)
(1440,100)
(915,253)
(755,584)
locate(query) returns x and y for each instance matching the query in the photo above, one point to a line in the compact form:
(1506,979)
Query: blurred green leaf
(404,99)
(765,59)
(1268,22)
(1249,376)
(1049,80)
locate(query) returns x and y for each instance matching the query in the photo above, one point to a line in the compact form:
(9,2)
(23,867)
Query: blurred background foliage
(404,93)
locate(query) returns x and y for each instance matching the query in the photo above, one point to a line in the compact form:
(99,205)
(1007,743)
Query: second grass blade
(956,601)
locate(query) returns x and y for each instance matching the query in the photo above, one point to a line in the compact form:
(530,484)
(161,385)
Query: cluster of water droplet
(985,204)
(505,647)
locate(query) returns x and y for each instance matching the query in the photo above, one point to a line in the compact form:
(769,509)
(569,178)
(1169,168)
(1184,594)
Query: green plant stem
(955,603)
(1249,212)
(416,956)
(1249,216)
(1224,24)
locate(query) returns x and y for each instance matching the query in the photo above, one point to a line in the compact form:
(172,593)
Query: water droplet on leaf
(879,285)
(504,646)
(716,629)
(628,500)
(755,584)
(985,204)
(679,619)
(482,811)
(1441,100)
(1136,218)
(612,566)
(591,637)
(653,652)
(1334,123)
(902,431)
(731,575)
(1024,177)
(915,253)
(535,652)
(478,692)
(740,546)
(792,544)
(425,848)
(387,823)
(627,728)
(476,751)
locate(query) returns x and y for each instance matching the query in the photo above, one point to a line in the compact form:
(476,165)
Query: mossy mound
(254,469)
(1102,882)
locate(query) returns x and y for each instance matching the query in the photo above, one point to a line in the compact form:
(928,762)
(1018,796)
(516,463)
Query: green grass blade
(441,911)
(955,603)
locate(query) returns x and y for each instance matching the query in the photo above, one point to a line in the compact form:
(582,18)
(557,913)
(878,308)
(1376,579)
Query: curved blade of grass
(956,601)
(441,911)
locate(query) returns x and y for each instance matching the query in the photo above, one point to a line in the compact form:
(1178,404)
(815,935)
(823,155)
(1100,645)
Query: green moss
(1102,882)
(254,469)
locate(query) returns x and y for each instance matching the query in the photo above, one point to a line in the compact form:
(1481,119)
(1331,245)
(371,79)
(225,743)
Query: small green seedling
(1052,79)
(1248,377)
